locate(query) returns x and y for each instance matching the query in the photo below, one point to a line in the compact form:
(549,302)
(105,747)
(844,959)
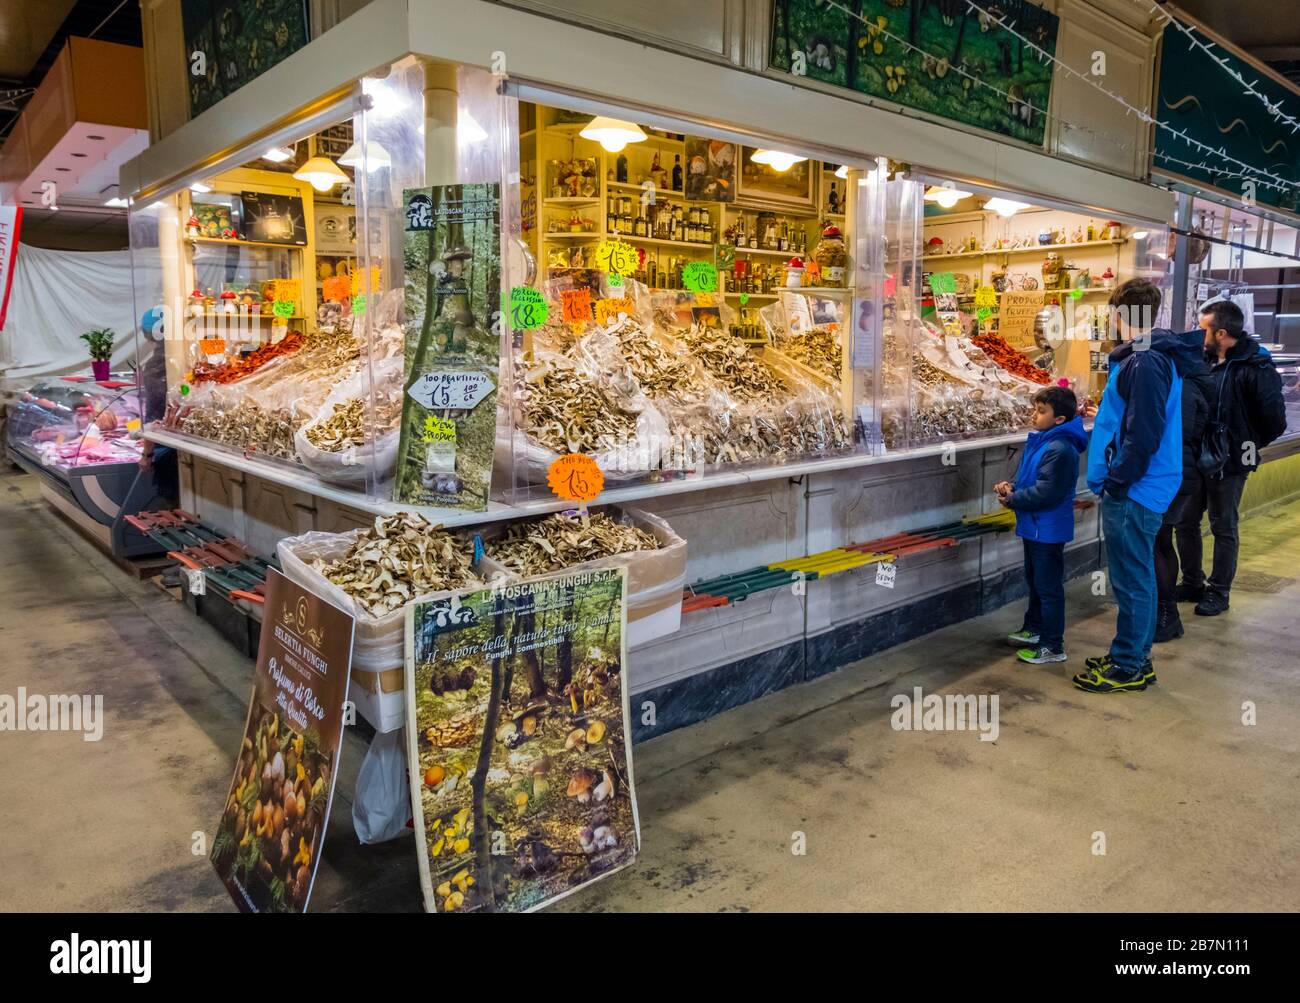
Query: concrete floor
(1198,810)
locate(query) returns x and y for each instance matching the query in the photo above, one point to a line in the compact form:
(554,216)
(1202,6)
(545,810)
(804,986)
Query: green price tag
(984,313)
(744,299)
(615,280)
(1076,294)
(358,304)
(528,308)
(283,308)
(185,389)
(700,277)
(943,282)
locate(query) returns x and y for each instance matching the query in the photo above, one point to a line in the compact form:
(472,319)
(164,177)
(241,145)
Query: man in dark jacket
(1246,403)
(1197,391)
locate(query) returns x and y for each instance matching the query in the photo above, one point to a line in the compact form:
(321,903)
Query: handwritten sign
(886,574)
(283,308)
(616,256)
(986,296)
(614,281)
(451,388)
(439,429)
(336,288)
(212,346)
(943,282)
(528,308)
(705,299)
(576,304)
(700,276)
(1016,317)
(607,310)
(575,477)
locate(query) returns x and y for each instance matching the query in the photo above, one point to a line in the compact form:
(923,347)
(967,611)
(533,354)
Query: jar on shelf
(794,273)
(832,257)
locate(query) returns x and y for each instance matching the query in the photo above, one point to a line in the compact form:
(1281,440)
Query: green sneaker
(1100,662)
(1113,679)
(1149,672)
(1022,638)
(1040,655)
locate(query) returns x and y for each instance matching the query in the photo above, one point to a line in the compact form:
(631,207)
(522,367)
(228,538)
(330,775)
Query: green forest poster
(942,57)
(519,745)
(452,275)
(239,40)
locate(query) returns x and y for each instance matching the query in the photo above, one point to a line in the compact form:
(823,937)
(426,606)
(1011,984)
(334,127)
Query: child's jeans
(1045,573)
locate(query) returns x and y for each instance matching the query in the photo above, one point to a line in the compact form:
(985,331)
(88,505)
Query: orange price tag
(577,305)
(575,477)
(336,288)
(608,310)
(212,346)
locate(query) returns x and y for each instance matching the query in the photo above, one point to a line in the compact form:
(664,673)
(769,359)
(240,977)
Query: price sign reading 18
(528,308)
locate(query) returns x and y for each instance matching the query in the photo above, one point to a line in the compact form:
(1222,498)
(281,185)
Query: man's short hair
(1142,294)
(1226,316)
(1060,399)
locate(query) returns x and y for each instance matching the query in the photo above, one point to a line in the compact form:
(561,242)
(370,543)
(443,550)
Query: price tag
(185,389)
(336,288)
(212,346)
(133,425)
(616,257)
(439,429)
(885,574)
(528,308)
(575,477)
(986,297)
(282,308)
(704,299)
(744,299)
(197,581)
(891,283)
(943,282)
(983,313)
(1076,294)
(1202,291)
(358,305)
(700,276)
(614,281)
(608,310)
(451,388)
(577,305)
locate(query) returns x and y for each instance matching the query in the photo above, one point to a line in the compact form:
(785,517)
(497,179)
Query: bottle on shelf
(677,172)
(833,200)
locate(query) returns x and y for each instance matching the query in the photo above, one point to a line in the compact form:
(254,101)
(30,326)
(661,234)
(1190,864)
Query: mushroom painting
(522,791)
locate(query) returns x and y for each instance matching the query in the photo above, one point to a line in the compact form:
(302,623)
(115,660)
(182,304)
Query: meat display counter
(78,436)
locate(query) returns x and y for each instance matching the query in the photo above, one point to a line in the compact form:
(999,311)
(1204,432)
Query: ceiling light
(945,196)
(321,173)
(778,160)
(200,188)
(842,172)
(98,139)
(376,157)
(469,131)
(117,202)
(1005,207)
(1141,235)
(277,155)
(612,133)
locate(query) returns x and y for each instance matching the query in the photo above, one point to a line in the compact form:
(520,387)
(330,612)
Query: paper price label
(439,429)
(943,282)
(282,308)
(451,388)
(608,310)
(575,477)
(616,256)
(577,305)
(986,297)
(700,277)
(885,574)
(528,308)
(197,581)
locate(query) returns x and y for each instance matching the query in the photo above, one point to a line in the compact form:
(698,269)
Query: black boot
(1168,623)
(1214,603)
(1189,593)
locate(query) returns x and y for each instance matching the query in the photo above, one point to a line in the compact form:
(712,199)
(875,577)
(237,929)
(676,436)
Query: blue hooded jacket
(1043,497)
(1137,439)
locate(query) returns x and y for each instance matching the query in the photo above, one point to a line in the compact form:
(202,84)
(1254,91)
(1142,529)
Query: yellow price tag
(607,310)
(616,256)
(704,299)
(439,429)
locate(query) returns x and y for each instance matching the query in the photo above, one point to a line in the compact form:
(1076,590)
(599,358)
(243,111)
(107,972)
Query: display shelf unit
(1039,249)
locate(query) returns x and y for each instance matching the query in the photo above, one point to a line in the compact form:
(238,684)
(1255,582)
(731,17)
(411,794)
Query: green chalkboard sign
(230,42)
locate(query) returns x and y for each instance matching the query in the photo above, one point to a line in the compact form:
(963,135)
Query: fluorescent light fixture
(278,155)
(469,131)
(1141,234)
(200,188)
(376,156)
(117,202)
(842,172)
(385,100)
(1281,316)
(1268,313)
(321,173)
(946,197)
(778,160)
(1005,207)
(612,133)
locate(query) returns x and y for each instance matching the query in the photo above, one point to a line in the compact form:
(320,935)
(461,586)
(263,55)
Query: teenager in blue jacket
(1135,463)
(1043,500)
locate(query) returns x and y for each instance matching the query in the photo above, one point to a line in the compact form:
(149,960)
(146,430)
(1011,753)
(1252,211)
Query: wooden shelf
(761,250)
(753,296)
(665,243)
(623,186)
(596,235)
(1037,249)
(245,243)
(571,201)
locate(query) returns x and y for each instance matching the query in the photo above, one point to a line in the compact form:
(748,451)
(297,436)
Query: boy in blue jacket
(1043,500)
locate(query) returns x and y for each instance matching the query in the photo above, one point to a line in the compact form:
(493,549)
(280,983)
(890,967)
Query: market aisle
(1198,811)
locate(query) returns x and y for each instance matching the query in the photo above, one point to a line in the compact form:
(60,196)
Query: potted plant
(100,343)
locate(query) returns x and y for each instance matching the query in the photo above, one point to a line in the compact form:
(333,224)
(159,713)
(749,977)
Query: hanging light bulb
(842,172)
(376,157)
(1005,207)
(778,160)
(946,197)
(277,154)
(612,133)
(321,173)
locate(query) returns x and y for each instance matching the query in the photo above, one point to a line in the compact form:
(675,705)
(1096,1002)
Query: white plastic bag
(361,465)
(381,809)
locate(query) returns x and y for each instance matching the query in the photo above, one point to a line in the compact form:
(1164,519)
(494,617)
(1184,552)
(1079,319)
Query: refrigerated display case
(81,438)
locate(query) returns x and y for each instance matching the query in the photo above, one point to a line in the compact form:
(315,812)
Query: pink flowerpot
(102,368)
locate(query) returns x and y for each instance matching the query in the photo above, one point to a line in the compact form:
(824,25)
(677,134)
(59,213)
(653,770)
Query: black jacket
(1247,397)
(1198,392)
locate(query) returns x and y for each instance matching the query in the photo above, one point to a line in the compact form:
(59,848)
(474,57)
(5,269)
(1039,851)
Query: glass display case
(1288,367)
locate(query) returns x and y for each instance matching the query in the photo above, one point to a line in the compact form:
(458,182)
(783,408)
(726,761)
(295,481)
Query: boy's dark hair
(1226,316)
(1140,294)
(1060,399)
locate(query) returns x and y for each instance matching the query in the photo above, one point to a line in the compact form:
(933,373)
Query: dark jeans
(1130,531)
(1045,572)
(1222,497)
(1166,564)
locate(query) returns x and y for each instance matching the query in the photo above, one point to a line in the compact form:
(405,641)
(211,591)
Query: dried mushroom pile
(402,557)
(244,426)
(730,362)
(347,425)
(561,541)
(658,371)
(568,411)
(817,349)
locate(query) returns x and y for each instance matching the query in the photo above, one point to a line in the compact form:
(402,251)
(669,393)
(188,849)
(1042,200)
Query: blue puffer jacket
(1137,439)
(1043,498)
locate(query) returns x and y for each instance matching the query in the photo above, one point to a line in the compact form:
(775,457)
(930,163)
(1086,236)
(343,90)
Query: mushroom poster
(269,839)
(518,740)
(452,300)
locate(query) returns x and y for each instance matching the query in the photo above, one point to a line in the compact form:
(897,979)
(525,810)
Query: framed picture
(710,170)
(336,229)
(760,183)
(273,219)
